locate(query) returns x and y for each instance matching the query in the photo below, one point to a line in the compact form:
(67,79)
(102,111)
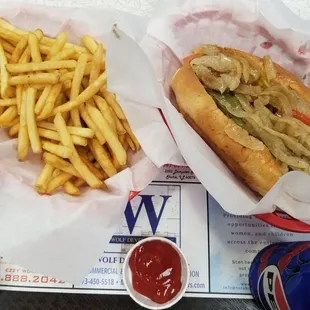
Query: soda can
(279,276)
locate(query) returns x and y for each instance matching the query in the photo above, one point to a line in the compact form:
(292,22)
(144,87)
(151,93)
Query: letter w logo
(147,201)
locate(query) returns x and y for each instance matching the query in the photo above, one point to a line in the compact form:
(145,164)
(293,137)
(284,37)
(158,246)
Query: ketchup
(156,271)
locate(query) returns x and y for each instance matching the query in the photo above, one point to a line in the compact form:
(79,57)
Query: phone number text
(30,279)
(101,281)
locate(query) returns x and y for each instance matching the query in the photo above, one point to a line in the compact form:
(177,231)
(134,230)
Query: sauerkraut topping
(261,107)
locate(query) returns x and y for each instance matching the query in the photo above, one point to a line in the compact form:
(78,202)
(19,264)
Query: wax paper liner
(258,27)
(60,235)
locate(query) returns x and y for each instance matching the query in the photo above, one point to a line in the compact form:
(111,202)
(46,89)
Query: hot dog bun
(259,169)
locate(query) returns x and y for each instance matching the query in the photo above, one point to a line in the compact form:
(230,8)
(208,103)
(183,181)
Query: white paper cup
(143,300)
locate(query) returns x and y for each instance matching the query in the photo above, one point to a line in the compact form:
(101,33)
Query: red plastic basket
(132,195)
(283,221)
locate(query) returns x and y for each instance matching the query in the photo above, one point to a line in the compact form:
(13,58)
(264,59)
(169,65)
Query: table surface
(48,301)
(144,7)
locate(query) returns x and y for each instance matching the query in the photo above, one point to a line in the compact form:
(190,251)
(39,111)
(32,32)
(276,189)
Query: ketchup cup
(128,276)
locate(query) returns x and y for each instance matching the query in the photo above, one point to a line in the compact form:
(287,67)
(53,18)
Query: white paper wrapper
(59,235)
(176,27)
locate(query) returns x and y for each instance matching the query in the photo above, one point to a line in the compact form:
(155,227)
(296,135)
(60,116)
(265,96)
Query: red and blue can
(280,276)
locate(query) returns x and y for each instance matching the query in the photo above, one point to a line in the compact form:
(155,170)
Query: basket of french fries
(74,152)
(58,105)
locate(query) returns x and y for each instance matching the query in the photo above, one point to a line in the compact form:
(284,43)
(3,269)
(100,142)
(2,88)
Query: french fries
(58,181)
(8,102)
(109,134)
(44,178)
(9,48)
(75,159)
(23,136)
(69,75)
(95,65)
(75,89)
(50,101)
(119,127)
(43,98)
(106,112)
(102,157)
(34,48)
(53,97)
(89,43)
(61,151)
(45,65)
(50,41)
(13,131)
(10,36)
(37,78)
(52,135)
(4,73)
(59,163)
(92,167)
(8,116)
(31,122)
(58,45)
(88,93)
(111,100)
(130,134)
(71,189)
(65,54)
(19,49)
(90,123)
(82,132)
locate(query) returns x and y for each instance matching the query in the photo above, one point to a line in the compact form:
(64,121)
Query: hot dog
(252,112)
